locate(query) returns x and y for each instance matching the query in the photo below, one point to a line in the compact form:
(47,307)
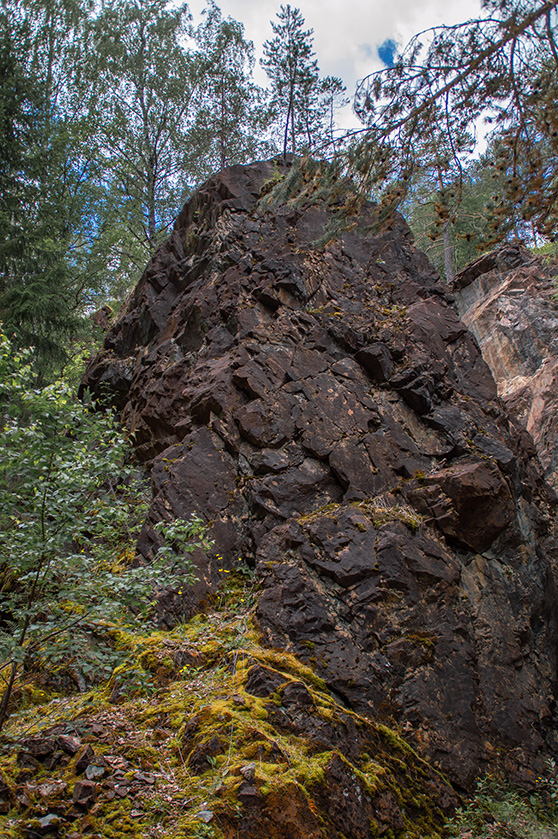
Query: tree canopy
(48,192)
(146,82)
(111,113)
(232,116)
(301,101)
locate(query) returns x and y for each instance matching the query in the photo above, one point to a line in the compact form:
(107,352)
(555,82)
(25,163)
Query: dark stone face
(331,417)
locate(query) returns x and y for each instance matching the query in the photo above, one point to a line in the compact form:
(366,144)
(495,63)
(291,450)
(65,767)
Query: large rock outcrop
(507,298)
(330,416)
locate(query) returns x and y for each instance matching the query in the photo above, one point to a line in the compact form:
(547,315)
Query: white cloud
(347,33)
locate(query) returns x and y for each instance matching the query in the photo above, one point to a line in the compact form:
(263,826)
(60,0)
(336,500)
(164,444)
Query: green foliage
(500,811)
(96,115)
(109,115)
(302,104)
(70,509)
(454,237)
(143,81)
(50,185)
(195,677)
(231,115)
(181,537)
(17,103)
(547,252)
(421,113)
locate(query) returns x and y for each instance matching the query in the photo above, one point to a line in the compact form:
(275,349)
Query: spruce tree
(47,203)
(300,100)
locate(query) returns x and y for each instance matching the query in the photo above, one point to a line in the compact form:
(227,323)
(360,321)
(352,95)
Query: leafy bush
(500,811)
(71,505)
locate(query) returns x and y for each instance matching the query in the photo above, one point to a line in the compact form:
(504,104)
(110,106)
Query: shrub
(71,504)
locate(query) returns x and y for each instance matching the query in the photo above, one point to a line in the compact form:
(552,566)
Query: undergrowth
(498,810)
(177,710)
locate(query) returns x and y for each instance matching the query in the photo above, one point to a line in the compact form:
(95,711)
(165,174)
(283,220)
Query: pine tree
(502,67)
(300,100)
(506,62)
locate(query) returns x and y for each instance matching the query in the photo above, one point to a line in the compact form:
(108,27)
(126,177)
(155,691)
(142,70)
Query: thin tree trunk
(222,137)
(448,253)
(286,137)
(151,220)
(6,696)
(44,560)
(293,145)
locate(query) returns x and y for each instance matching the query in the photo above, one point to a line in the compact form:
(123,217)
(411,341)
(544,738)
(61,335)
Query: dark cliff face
(332,418)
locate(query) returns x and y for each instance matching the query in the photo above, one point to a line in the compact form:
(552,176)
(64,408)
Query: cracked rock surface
(330,416)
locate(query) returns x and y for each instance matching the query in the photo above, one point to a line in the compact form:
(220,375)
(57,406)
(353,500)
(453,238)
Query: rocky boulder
(331,417)
(507,298)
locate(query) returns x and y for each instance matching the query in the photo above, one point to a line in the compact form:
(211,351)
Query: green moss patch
(176,745)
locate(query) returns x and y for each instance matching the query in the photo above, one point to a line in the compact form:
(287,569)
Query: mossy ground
(178,712)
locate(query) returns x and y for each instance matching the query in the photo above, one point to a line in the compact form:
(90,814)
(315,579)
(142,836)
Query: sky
(347,33)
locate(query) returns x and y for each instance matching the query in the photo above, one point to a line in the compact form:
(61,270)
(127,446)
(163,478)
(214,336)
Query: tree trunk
(293,144)
(448,253)
(6,696)
(286,138)
(151,220)
(222,149)
(534,235)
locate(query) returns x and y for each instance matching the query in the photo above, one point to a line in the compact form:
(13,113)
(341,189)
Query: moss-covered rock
(212,734)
